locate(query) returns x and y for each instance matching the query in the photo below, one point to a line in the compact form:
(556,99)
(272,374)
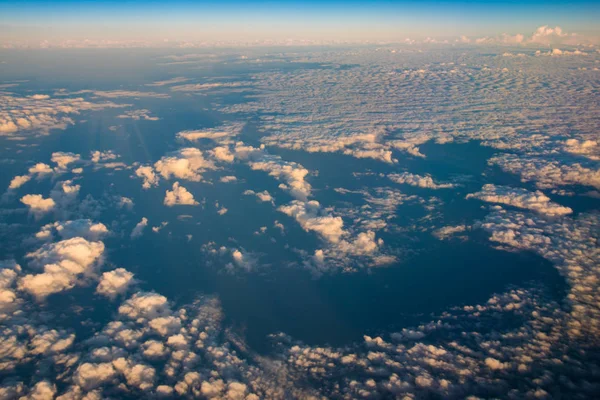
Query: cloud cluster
(186,164)
(39,114)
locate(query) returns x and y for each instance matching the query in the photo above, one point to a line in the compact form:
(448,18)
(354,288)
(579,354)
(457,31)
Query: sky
(156,22)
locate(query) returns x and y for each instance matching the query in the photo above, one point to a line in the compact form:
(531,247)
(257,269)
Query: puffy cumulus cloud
(148,175)
(586,148)
(145,305)
(184,164)
(63,264)
(91,376)
(547,35)
(140,375)
(18,181)
(223,154)
(85,228)
(561,53)
(263,196)
(97,156)
(37,204)
(418,181)
(241,260)
(39,114)
(228,179)
(521,198)
(115,283)
(63,160)
(548,173)
(311,217)
(138,229)
(291,173)
(40,169)
(179,196)
(42,390)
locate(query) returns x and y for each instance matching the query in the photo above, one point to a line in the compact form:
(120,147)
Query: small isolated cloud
(166,82)
(447,232)
(62,159)
(138,230)
(419,181)
(37,204)
(137,115)
(18,181)
(179,196)
(216,134)
(148,175)
(115,283)
(263,196)
(228,179)
(521,198)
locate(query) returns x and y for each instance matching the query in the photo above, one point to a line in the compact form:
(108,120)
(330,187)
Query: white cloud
(18,181)
(187,164)
(37,205)
(263,196)
(137,115)
(115,283)
(179,196)
(63,263)
(419,181)
(520,198)
(138,230)
(62,159)
(148,175)
(311,217)
(85,228)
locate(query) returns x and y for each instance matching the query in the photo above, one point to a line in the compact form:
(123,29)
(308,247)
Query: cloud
(312,217)
(548,173)
(18,181)
(84,228)
(39,114)
(148,175)
(419,181)
(138,230)
(137,115)
(187,164)
(116,94)
(179,196)
(37,205)
(520,198)
(263,196)
(217,134)
(447,232)
(166,82)
(63,263)
(115,283)
(62,159)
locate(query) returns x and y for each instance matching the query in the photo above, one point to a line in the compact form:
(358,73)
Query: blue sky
(268,19)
